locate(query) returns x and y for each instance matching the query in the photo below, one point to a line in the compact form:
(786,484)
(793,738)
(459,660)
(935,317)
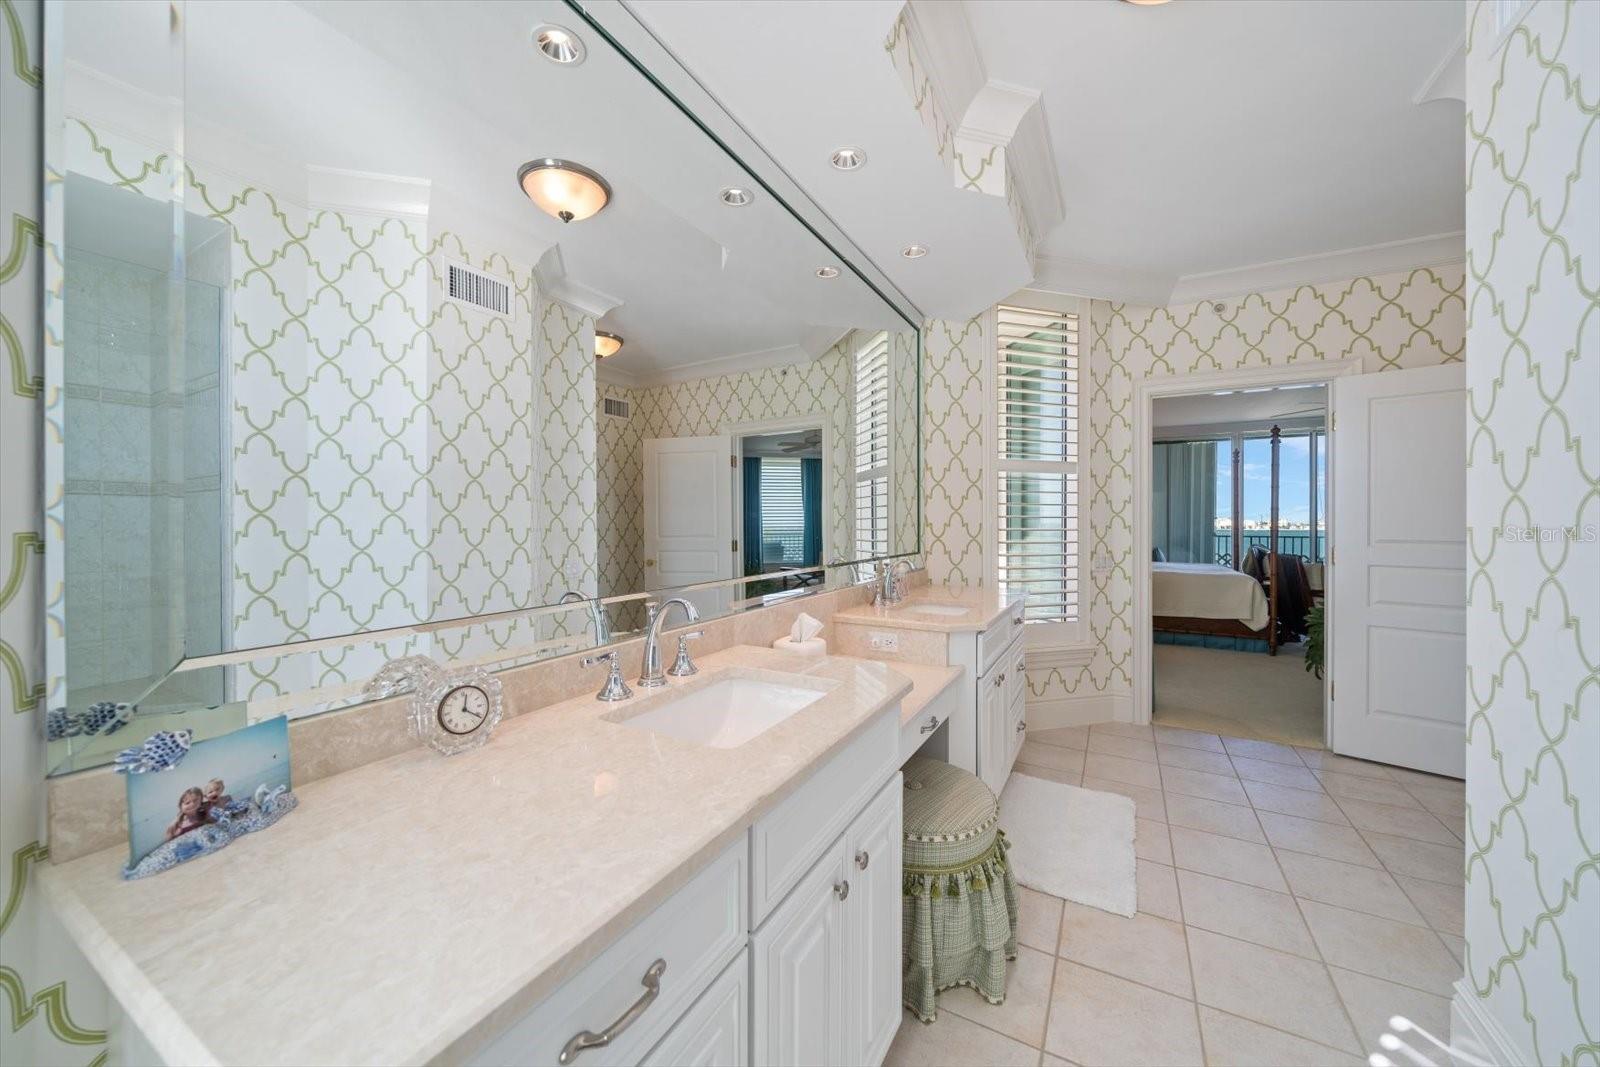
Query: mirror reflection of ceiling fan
(811,440)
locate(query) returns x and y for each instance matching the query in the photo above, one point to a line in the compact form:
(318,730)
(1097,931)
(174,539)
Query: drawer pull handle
(1022,726)
(862,859)
(998,682)
(1016,620)
(931,725)
(842,889)
(586,1039)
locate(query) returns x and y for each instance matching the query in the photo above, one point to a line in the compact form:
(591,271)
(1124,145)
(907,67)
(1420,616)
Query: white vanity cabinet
(992,732)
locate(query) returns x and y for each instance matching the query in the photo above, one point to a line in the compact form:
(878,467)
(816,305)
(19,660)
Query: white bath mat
(1071,843)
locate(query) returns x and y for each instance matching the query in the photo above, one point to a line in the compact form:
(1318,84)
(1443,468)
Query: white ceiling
(453,97)
(1195,142)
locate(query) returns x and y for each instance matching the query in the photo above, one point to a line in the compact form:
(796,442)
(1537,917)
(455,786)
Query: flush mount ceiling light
(849,159)
(827,272)
(559,44)
(606,344)
(569,191)
(733,196)
(914,251)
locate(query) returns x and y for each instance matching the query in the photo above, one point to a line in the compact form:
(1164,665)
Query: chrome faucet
(597,615)
(615,688)
(650,674)
(891,586)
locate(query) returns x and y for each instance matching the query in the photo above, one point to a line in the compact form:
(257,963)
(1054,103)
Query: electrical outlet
(883,641)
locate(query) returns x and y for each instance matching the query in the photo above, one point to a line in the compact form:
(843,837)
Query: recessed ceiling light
(849,159)
(569,191)
(606,344)
(914,251)
(733,196)
(559,44)
(1147,3)
(827,272)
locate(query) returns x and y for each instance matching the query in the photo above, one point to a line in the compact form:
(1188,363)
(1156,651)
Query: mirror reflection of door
(780,498)
(688,493)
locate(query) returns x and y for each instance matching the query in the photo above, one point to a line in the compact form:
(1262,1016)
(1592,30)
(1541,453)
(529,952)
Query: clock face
(463,709)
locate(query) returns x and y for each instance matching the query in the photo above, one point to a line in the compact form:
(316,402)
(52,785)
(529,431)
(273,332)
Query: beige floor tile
(1229,820)
(1226,857)
(1379,790)
(1260,770)
(1049,774)
(1126,747)
(1123,729)
(1225,788)
(1040,755)
(1419,859)
(1151,803)
(1235,1042)
(1038,919)
(1423,780)
(1055,1061)
(1383,948)
(1176,735)
(1121,769)
(1318,838)
(1371,1001)
(1402,822)
(1263,750)
(1443,906)
(954,1040)
(1303,803)
(1443,801)
(1101,1019)
(1158,890)
(1027,1000)
(1323,760)
(1151,841)
(1270,987)
(1368,889)
(1457,947)
(1062,736)
(1196,759)
(1144,949)
(1244,911)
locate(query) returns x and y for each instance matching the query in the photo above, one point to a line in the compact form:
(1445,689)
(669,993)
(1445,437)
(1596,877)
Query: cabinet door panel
(993,744)
(873,935)
(715,1032)
(799,972)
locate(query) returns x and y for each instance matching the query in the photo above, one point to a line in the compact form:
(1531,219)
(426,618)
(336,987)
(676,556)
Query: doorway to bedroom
(1239,543)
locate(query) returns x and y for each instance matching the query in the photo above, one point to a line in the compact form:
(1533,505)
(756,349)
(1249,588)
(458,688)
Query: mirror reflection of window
(872,447)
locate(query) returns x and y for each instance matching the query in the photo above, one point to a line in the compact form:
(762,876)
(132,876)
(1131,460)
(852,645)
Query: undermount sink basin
(936,609)
(725,711)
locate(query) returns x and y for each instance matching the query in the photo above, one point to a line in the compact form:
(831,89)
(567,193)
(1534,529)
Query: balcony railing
(1290,543)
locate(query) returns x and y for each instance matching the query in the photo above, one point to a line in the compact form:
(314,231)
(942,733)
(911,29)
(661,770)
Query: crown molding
(785,356)
(1098,281)
(1384,258)
(551,273)
(1447,80)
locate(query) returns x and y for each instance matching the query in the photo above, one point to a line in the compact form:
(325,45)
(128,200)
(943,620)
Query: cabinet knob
(1022,726)
(931,725)
(1016,620)
(998,682)
(862,859)
(842,889)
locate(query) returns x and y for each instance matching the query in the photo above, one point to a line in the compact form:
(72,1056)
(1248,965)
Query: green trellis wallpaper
(1533,377)
(53,1005)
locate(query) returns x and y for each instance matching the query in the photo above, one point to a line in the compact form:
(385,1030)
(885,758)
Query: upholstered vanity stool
(959,917)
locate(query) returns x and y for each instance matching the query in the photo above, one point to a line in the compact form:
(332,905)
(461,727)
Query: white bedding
(1207,591)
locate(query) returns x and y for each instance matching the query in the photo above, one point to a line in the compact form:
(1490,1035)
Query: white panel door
(798,969)
(688,515)
(1397,606)
(874,933)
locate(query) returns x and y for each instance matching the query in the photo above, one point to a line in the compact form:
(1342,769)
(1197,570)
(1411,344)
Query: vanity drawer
(696,932)
(994,641)
(915,732)
(788,840)
(716,1031)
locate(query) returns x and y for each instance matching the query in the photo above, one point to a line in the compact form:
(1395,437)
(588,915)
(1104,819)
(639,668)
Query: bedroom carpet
(1070,842)
(1242,694)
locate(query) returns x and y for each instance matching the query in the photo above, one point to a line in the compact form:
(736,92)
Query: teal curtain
(752,515)
(811,498)
(1184,485)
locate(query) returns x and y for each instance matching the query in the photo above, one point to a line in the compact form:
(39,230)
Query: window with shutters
(783,512)
(1037,464)
(872,448)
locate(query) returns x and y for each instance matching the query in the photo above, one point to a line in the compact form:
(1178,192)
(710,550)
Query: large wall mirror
(385,329)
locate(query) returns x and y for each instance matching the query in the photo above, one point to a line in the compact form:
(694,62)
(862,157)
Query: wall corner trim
(1474,1031)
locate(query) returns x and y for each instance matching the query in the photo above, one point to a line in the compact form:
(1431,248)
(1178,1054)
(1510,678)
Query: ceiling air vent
(614,406)
(475,289)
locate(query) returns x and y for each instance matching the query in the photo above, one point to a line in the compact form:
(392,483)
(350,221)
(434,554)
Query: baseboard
(1083,709)
(1479,1034)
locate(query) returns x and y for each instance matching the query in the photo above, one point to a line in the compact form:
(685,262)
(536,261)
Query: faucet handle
(614,688)
(683,666)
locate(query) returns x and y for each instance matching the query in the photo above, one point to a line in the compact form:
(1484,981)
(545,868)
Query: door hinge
(1333,687)
(736,544)
(1333,423)
(733,461)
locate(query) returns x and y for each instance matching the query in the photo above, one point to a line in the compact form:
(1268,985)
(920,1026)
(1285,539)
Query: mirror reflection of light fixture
(559,44)
(827,272)
(569,191)
(606,344)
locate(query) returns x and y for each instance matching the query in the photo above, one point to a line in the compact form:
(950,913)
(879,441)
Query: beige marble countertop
(410,909)
(927,682)
(980,607)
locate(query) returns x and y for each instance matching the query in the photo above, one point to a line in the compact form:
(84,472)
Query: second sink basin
(727,709)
